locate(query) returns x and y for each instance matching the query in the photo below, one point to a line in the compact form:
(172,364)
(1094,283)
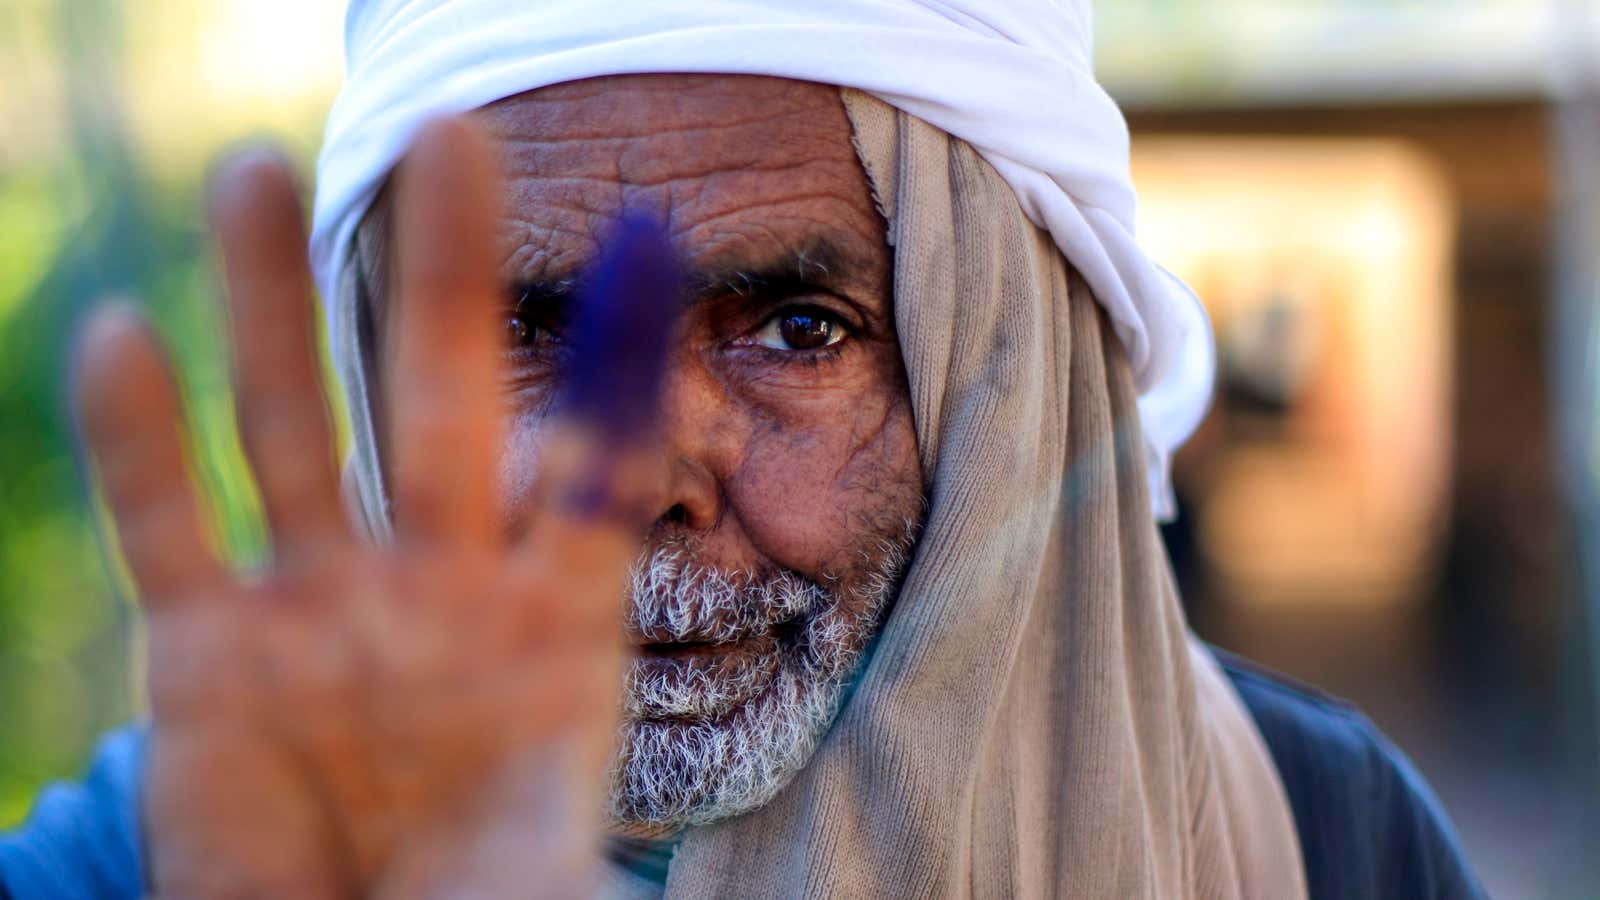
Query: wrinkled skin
(434,717)
(753,175)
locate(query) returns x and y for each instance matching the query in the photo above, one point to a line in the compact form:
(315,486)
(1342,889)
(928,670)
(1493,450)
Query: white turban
(1014,79)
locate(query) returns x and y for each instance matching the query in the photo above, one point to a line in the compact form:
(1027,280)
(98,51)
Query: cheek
(812,490)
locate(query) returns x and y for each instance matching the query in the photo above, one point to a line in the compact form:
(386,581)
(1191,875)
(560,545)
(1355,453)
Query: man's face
(792,489)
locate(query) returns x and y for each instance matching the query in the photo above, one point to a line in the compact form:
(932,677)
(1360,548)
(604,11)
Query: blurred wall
(1474,659)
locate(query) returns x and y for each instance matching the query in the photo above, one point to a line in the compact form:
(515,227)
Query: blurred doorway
(1373,505)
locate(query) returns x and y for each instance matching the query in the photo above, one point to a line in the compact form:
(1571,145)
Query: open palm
(407,719)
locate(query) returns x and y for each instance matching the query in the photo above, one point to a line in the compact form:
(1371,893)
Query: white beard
(708,738)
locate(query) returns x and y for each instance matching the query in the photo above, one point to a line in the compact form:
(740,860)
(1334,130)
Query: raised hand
(431,717)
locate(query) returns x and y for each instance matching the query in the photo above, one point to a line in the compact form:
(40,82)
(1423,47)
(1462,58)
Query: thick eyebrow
(542,291)
(818,262)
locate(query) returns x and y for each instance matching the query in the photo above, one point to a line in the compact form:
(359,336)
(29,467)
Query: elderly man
(879,420)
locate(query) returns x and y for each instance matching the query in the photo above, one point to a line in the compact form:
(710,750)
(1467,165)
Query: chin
(711,735)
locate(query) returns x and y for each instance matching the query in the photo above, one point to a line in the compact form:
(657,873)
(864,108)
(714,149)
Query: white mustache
(675,600)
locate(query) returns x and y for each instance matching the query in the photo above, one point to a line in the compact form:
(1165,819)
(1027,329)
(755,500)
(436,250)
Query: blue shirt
(1369,825)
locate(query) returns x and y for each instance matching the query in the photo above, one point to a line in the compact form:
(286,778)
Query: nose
(691,447)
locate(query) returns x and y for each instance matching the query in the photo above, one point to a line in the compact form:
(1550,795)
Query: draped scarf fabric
(1035,719)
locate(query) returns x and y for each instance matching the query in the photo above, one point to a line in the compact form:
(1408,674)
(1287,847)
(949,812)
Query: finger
(443,371)
(132,421)
(283,416)
(597,479)
(622,327)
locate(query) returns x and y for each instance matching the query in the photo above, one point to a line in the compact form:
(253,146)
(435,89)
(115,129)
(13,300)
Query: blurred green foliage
(86,221)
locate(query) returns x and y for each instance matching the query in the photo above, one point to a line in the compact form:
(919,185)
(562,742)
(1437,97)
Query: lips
(673,627)
(700,681)
(683,650)
(708,641)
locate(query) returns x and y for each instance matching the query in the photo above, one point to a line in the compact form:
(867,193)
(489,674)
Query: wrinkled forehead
(736,165)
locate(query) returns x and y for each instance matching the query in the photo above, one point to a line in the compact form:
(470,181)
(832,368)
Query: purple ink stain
(621,329)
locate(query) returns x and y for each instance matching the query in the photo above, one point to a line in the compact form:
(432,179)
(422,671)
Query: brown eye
(518,334)
(800,329)
(530,326)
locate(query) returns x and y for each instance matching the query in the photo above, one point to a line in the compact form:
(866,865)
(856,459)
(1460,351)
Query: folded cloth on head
(1014,80)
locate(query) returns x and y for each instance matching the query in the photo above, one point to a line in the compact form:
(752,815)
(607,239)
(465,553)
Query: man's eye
(522,331)
(800,329)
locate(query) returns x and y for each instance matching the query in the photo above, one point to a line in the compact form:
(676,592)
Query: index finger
(595,482)
(599,479)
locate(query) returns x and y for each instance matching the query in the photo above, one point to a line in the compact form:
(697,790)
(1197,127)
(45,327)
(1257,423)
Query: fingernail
(621,329)
(240,173)
(106,325)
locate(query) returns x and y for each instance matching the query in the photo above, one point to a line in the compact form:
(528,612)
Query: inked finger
(443,372)
(597,478)
(284,421)
(131,418)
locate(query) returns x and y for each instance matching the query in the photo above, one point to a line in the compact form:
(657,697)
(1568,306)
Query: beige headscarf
(1036,719)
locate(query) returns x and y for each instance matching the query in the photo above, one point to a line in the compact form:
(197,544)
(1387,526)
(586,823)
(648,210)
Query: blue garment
(1369,825)
(82,840)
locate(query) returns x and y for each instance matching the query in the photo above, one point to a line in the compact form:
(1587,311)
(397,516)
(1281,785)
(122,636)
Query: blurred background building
(1391,209)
